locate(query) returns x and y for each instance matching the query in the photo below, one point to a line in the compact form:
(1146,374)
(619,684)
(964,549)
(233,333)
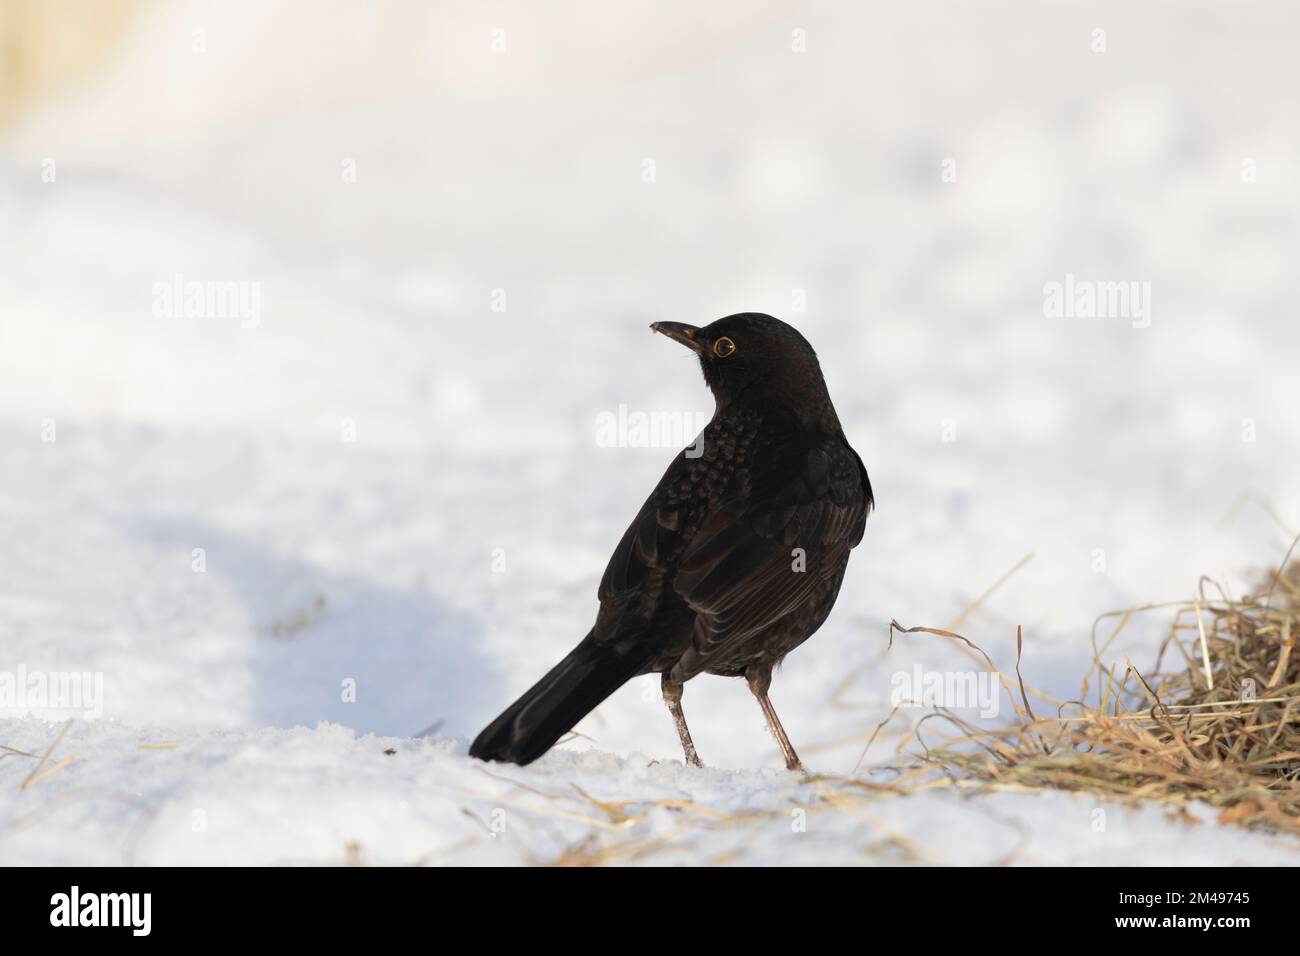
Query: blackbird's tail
(571,690)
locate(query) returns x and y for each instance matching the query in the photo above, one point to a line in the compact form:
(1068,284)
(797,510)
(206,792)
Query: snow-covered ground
(331,796)
(376,505)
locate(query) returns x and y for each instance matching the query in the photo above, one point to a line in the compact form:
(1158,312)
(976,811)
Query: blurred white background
(383,174)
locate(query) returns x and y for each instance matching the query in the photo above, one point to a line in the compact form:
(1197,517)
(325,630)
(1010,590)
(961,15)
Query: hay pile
(1217,719)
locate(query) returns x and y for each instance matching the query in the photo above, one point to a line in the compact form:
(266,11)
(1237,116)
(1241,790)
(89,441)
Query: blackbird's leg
(759,678)
(673,698)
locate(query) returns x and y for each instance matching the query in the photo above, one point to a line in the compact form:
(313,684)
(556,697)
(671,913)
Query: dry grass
(1217,718)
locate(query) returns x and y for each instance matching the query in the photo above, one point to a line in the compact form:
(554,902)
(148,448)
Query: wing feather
(741,573)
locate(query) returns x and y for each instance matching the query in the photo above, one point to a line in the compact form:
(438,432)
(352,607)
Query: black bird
(737,556)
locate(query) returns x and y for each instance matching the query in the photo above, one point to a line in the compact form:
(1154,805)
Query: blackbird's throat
(712,375)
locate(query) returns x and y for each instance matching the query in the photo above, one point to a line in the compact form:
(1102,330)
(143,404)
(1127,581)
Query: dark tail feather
(548,711)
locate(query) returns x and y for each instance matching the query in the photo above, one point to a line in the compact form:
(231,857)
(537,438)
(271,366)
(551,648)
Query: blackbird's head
(755,353)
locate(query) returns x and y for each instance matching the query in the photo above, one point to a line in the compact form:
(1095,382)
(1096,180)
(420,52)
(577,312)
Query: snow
(329,796)
(397,590)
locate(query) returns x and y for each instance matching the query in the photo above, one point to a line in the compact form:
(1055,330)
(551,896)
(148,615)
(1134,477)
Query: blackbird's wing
(738,573)
(633,584)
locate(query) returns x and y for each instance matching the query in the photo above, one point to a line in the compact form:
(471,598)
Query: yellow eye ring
(723,347)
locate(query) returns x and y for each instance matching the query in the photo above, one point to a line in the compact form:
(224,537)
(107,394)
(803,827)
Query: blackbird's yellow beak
(679,332)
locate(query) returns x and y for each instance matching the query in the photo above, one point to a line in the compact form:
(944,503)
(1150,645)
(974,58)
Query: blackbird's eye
(723,347)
